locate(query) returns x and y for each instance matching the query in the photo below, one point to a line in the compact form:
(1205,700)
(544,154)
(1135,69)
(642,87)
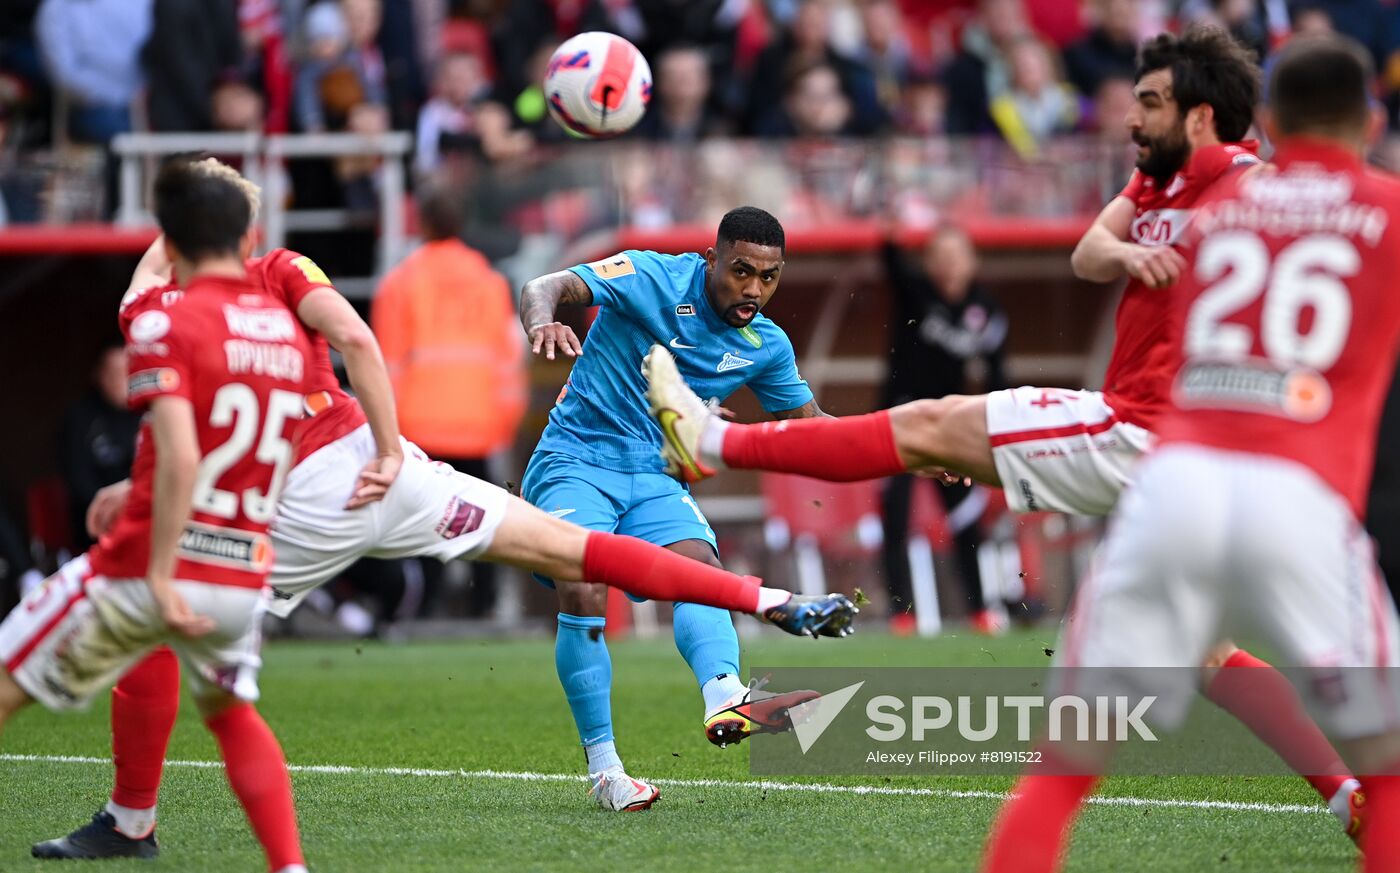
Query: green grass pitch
(476,706)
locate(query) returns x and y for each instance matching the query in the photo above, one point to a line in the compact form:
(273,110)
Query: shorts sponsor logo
(150,326)
(1028,495)
(460,518)
(160,380)
(617,266)
(1300,393)
(732,361)
(685,309)
(226,547)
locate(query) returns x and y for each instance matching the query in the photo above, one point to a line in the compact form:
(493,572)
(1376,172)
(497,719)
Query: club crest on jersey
(615,267)
(150,326)
(731,361)
(226,547)
(158,381)
(460,518)
(685,309)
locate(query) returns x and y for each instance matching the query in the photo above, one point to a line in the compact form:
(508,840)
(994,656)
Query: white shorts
(1061,451)
(74,636)
(1211,545)
(431,511)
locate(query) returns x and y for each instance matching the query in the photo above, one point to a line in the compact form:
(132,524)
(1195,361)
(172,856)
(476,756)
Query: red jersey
(242,360)
(287,277)
(1288,317)
(1144,355)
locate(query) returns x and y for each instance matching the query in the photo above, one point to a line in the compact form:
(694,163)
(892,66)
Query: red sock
(1266,702)
(1030,832)
(659,574)
(257,773)
(144,705)
(1381,842)
(835,449)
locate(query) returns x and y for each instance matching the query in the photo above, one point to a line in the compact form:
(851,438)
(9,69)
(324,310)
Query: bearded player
(399,504)
(222,378)
(596,463)
(1069,451)
(1247,516)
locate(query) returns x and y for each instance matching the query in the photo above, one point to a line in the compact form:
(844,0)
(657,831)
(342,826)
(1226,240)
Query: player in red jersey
(1058,450)
(347,497)
(222,378)
(1247,515)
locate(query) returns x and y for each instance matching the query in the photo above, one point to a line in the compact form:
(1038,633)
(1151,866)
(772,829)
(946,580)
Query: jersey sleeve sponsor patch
(144,383)
(617,266)
(314,274)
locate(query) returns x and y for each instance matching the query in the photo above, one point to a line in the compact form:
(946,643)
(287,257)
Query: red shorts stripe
(14,663)
(1050,433)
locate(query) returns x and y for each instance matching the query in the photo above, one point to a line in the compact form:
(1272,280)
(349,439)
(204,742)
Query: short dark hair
(1321,83)
(203,207)
(1210,67)
(441,211)
(752,225)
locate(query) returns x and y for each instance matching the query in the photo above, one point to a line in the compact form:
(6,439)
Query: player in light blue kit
(598,462)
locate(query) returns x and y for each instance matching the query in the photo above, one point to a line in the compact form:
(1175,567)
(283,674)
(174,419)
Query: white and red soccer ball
(597,85)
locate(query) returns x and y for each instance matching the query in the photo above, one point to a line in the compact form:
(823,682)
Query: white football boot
(616,791)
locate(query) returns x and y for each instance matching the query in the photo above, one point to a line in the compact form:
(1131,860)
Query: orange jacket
(447,324)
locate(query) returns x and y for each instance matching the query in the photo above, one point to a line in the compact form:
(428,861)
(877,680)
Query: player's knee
(1216,657)
(214,702)
(582,598)
(12,696)
(920,426)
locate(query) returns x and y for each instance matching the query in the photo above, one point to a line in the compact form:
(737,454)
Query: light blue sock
(585,670)
(706,639)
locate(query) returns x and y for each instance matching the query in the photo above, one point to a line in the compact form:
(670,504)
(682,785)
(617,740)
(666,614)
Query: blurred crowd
(465,74)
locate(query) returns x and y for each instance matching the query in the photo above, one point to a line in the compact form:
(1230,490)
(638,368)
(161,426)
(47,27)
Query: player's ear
(1376,124)
(711,256)
(248,243)
(172,254)
(1268,123)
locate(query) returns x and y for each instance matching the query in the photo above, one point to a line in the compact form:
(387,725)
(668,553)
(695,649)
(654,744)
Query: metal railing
(262,159)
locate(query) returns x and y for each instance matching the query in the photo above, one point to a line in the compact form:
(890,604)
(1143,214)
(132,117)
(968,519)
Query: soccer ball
(597,85)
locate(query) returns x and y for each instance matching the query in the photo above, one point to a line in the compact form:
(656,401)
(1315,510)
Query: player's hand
(943,476)
(177,613)
(106,505)
(555,335)
(1153,266)
(374,480)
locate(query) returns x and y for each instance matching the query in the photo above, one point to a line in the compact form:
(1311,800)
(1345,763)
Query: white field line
(757,784)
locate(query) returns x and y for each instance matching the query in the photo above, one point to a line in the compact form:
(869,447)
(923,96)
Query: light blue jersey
(647,298)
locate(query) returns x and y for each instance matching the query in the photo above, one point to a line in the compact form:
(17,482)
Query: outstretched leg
(949,433)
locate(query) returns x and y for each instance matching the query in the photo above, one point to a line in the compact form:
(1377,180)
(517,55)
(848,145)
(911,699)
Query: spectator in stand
(236,107)
(1249,21)
(194,45)
(1037,105)
(814,106)
(97,439)
(805,44)
(1110,49)
(92,50)
(527,25)
(923,107)
(446,323)
(1370,22)
(266,66)
(886,51)
(394,40)
(981,70)
(447,122)
(680,110)
(344,69)
(1112,102)
(943,327)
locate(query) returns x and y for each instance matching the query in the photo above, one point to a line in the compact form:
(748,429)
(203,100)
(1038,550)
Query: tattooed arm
(538,301)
